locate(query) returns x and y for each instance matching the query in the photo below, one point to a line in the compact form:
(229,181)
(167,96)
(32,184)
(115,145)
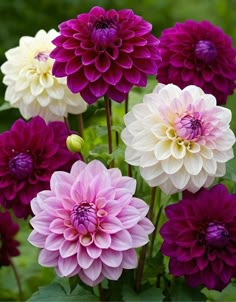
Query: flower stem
(17,277)
(108,120)
(66,121)
(144,248)
(151,209)
(155,231)
(100,291)
(81,125)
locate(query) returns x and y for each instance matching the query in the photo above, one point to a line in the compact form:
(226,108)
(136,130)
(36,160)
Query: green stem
(66,121)
(17,277)
(81,125)
(100,291)
(108,120)
(140,268)
(151,208)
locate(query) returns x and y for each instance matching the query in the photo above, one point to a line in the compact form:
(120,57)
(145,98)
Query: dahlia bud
(74,143)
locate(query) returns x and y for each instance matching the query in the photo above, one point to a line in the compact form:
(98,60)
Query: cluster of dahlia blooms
(86,220)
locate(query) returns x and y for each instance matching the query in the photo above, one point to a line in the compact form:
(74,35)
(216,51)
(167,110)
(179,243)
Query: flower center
(216,235)
(84,217)
(189,127)
(42,56)
(104,32)
(205,51)
(21,166)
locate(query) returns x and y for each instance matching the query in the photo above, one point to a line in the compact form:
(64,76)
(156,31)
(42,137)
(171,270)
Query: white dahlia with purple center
(180,139)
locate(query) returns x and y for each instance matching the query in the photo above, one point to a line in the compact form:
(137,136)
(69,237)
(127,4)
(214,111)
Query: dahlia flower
(105,53)
(200,238)
(198,53)
(180,139)
(31,87)
(8,245)
(89,223)
(29,154)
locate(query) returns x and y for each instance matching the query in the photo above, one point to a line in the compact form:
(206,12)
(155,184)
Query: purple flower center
(84,217)
(216,235)
(42,56)
(104,32)
(205,51)
(189,127)
(21,166)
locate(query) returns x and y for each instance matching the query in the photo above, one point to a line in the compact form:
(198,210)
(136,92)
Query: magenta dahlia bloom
(200,237)
(89,223)
(29,154)
(8,245)
(105,53)
(198,53)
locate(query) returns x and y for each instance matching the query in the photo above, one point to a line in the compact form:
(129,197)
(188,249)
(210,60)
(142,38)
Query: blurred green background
(25,17)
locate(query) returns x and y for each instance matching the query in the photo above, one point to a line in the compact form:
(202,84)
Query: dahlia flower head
(105,53)
(89,223)
(29,154)
(198,53)
(31,87)
(8,245)
(180,139)
(200,237)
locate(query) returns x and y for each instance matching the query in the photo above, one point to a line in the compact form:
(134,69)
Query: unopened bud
(74,143)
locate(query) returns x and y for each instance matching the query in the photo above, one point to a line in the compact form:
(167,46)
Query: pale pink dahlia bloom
(180,139)
(89,223)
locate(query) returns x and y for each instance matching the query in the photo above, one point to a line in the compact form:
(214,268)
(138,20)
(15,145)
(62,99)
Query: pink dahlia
(29,154)
(198,53)
(8,245)
(105,53)
(200,237)
(89,223)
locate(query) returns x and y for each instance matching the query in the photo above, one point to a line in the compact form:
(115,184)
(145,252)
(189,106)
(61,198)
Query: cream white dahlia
(180,139)
(31,87)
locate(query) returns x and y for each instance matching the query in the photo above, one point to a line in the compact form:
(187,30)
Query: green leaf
(181,292)
(59,292)
(228,294)
(5,106)
(151,294)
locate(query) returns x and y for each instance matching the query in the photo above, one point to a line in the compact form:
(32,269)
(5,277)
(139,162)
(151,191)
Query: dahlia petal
(139,237)
(89,57)
(130,259)
(140,205)
(147,225)
(77,168)
(68,248)
(98,88)
(121,241)
(112,273)
(102,62)
(67,266)
(57,226)
(72,66)
(41,223)
(171,165)
(35,206)
(102,240)
(77,81)
(145,141)
(116,95)
(70,234)
(37,239)
(111,258)
(210,166)
(162,149)
(48,258)
(199,179)
(193,164)
(92,74)
(146,66)
(113,75)
(111,225)
(93,251)
(94,271)
(129,217)
(132,156)
(88,281)
(124,60)
(53,242)
(178,149)
(61,178)
(83,258)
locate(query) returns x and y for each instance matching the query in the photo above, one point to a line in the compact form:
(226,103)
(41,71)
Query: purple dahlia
(200,237)
(105,53)
(198,53)
(29,154)
(8,245)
